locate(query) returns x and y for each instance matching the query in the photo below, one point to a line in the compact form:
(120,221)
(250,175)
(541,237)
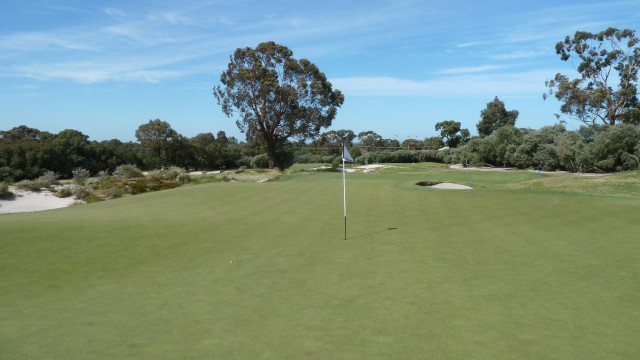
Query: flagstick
(344,185)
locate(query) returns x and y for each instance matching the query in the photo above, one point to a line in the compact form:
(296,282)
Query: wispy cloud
(472,69)
(171,17)
(117,13)
(95,72)
(40,41)
(516,55)
(503,84)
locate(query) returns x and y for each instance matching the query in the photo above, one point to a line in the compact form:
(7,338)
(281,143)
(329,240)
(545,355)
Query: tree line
(26,153)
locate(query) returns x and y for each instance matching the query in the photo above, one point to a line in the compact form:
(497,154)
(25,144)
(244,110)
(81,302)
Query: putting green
(261,270)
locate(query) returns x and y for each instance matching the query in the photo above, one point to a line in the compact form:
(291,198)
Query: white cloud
(472,44)
(39,41)
(472,69)
(89,72)
(519,55)
(117,13)
(505,84)
(171,17)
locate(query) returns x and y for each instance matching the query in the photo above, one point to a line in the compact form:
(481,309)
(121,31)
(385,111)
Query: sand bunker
(26,201)
(443,185)
(451,186)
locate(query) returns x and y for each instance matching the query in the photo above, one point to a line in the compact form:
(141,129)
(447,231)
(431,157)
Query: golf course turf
(513,269)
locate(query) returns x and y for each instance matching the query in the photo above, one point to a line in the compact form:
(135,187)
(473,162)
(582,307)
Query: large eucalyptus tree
(276,96)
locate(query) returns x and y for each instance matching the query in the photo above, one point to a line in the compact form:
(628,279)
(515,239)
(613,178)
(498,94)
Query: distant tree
(495,116)
(391,143)
(28,152)
(206,151)
(73,150)
(276,96)
(161,145)
(608,64)
(330,142)
(412,144)
(433,143)
(109,154)
(369,140)
(451,133)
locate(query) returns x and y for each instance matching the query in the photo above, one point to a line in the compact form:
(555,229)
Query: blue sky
(106,67)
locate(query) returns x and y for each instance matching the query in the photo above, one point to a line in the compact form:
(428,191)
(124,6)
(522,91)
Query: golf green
(249,270)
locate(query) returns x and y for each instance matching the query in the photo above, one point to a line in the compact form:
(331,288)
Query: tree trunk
(612,116)
(271,152)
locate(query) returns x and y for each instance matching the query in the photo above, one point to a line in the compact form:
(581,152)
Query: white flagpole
(344,185)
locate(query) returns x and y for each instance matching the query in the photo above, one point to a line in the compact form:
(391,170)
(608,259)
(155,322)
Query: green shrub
(113,192)
(111,187)
(183,178)
(4,189)
(307,159)
(80,175)
(244,161)
(335,163)
(260,161)
(127,171)
(49,178)
(30,185)
(8,174)
(207,179)
(172,173)
(64,192)
(136,186)
(81,192)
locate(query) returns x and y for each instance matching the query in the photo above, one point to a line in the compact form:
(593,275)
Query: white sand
(451,186)
(26,201)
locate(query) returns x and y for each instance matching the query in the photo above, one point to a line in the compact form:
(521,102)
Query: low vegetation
(4,190)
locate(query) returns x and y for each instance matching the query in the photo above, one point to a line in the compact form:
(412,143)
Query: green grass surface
(510,270)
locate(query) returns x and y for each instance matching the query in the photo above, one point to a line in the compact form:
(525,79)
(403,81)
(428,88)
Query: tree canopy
(606,91)
(276,96)
(495,116)
(452,133)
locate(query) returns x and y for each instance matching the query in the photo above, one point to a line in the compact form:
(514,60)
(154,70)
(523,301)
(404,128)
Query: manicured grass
(260,270)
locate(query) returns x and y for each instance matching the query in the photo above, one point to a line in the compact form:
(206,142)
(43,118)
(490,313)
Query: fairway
(247,270)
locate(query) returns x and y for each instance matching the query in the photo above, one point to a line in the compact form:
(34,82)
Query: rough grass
(260,270)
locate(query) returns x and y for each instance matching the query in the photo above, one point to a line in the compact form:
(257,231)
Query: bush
(4,189)
(327,159)
(8,174)
(172,173)
(48,179)
(285,158)
(367,158)
(103,175)
(80,175)
(127,171)
(30,185)
(336,163)
(244,161)
(82,193)
(260,161)
(207,179)
(308,159)
(64,192)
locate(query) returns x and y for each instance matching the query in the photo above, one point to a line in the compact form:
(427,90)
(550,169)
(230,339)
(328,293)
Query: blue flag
(345,154)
